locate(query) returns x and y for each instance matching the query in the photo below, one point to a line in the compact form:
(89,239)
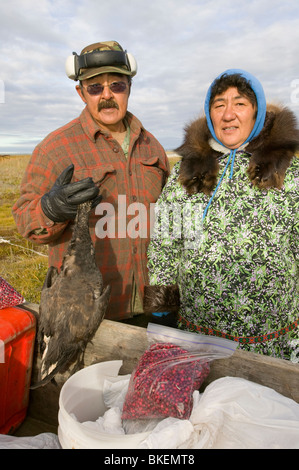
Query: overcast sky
(180,47)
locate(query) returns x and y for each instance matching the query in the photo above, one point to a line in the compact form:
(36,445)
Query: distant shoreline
(169,153)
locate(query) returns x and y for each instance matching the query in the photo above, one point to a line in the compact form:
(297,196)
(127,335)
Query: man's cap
(123,66)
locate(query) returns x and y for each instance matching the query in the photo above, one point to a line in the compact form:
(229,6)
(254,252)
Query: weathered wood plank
(281,375)
(115,340)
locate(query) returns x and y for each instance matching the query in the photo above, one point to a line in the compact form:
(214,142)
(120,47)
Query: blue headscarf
(260,98)
(258,125)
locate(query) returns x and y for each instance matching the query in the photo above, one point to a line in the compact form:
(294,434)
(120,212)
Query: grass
(19,266)
(24,269)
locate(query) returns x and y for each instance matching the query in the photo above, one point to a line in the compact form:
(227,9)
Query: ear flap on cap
(70,67)
(133,63)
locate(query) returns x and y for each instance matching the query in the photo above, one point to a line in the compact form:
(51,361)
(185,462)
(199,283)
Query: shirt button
(135,250)
(116,150)
(134,198)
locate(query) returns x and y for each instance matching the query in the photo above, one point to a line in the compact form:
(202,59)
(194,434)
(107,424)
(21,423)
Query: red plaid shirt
(123,182)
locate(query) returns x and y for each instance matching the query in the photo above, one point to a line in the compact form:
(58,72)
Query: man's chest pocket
(103,177)
(154,174)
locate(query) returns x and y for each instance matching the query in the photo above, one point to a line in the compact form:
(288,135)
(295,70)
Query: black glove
(61,202)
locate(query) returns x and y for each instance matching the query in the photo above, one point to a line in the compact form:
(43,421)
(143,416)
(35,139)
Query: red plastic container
(17,335)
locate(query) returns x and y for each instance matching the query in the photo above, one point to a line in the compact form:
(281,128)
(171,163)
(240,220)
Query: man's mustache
(107,104)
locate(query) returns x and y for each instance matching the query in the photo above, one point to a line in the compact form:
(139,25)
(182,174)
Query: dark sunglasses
(97,88)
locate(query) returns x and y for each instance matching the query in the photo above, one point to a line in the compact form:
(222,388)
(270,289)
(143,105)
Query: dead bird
(72,306)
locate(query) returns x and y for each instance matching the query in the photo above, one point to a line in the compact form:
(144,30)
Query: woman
(225,245)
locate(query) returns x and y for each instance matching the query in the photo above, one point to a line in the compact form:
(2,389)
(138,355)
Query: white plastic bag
(46,440)
(235,413)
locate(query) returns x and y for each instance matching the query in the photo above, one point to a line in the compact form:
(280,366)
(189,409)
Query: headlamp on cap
(95,62)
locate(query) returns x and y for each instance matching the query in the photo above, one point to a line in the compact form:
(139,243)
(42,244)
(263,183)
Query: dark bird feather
(72,306)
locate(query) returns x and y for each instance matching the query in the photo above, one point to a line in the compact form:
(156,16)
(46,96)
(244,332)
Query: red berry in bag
(163,383)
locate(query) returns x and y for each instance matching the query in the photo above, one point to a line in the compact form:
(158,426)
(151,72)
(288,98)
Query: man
(104,154)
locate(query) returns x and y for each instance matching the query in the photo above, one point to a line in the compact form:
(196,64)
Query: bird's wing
(51,277)
(85,320)
(101,305)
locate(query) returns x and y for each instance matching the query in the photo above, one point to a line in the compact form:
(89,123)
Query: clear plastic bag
(175,364)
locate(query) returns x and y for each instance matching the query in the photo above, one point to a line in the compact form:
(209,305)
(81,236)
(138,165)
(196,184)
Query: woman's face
(233,117)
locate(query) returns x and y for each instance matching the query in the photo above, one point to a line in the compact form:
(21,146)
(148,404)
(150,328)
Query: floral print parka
(237,271)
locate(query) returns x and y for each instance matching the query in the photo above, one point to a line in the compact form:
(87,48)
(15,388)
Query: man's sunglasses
(97,88)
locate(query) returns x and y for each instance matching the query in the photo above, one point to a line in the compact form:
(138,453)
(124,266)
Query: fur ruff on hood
(270,152)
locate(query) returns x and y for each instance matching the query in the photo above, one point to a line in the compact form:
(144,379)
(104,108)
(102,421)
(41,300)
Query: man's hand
(61,202)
